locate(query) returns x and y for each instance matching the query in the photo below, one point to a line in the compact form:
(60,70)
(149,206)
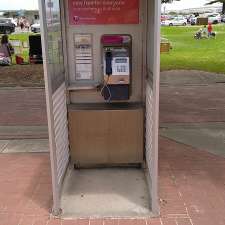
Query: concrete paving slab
(192,103)
(23,132)
(27,146)
(190,77)
(206,136)
(3,144)
(105,193)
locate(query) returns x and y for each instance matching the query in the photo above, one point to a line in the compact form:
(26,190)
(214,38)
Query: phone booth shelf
(102,66)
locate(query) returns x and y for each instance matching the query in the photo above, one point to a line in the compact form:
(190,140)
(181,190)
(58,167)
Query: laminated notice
(83,57)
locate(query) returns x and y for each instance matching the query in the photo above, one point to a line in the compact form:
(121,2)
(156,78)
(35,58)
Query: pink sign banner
(92,12)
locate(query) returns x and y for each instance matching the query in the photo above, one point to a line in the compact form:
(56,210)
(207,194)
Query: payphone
(107,124)
(102,105)
(116,51)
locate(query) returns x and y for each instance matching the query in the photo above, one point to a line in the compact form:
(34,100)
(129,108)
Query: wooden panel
(88,130)
(106,137)
(164,47)
(126,136)
(117,79)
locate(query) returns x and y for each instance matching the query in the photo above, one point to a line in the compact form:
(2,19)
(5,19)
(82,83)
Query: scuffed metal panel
(152,100)
(149,132)
(61,131)
(54,73)
(151,146)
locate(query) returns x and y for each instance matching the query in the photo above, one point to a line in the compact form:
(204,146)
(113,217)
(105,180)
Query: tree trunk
(223,10)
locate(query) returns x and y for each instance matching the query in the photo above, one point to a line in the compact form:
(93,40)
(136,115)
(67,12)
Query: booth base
(101,193)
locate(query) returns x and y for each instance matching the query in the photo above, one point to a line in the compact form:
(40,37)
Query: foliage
(218,1)
(20,36)
(168,1)
(173,13)
(190,54)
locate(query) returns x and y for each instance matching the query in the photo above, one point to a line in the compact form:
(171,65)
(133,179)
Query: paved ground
(192,109)
(111,192)
(23,132)
(22,107)
(190,77)
(24,146)
(192,189)
(187,100)
(191,181)
(192,104)
(207,136)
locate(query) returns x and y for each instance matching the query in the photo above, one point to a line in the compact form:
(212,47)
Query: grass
(23,37)
(190,54)
(20,36)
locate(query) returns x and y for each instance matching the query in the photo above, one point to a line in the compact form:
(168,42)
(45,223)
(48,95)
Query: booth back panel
(61,131)
(93,34)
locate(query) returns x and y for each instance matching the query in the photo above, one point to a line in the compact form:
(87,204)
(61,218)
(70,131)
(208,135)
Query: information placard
(92,12)
(83,57)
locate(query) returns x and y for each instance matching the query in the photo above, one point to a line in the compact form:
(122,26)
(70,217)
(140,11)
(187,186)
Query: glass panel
(55,43)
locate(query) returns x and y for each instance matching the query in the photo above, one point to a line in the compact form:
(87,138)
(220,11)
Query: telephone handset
(116,62)
(108,62)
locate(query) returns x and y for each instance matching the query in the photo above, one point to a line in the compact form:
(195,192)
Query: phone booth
(101,63)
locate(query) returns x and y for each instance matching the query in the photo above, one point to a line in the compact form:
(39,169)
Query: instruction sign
(91,12)
(83,57)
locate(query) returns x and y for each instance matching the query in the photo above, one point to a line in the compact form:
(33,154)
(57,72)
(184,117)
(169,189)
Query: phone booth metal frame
(56,80)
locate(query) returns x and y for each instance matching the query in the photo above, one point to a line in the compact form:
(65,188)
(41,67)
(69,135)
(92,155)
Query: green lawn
(20,36)
(23,37)
(190,54)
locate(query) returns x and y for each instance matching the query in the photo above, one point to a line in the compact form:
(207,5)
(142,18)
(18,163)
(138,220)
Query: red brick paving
(191,189)
(24,107)
(192,103)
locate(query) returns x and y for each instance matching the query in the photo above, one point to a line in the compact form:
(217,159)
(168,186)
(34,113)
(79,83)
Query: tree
(168,1)
(216,1)
(173,13)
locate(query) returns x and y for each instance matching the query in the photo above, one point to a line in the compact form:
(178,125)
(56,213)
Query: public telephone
(117,62)
(116,51)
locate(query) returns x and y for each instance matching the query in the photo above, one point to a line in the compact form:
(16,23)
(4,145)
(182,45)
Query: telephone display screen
(121,60)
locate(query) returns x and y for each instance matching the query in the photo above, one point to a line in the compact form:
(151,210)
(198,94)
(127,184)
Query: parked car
(176,22)
(12,20)
(6,26)
(223,18)
(214,18)
(36,28)
(193,20)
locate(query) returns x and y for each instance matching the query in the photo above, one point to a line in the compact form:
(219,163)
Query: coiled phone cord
(105,85)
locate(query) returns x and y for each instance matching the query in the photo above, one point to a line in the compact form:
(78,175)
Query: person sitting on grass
(6,51)
(204,32)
